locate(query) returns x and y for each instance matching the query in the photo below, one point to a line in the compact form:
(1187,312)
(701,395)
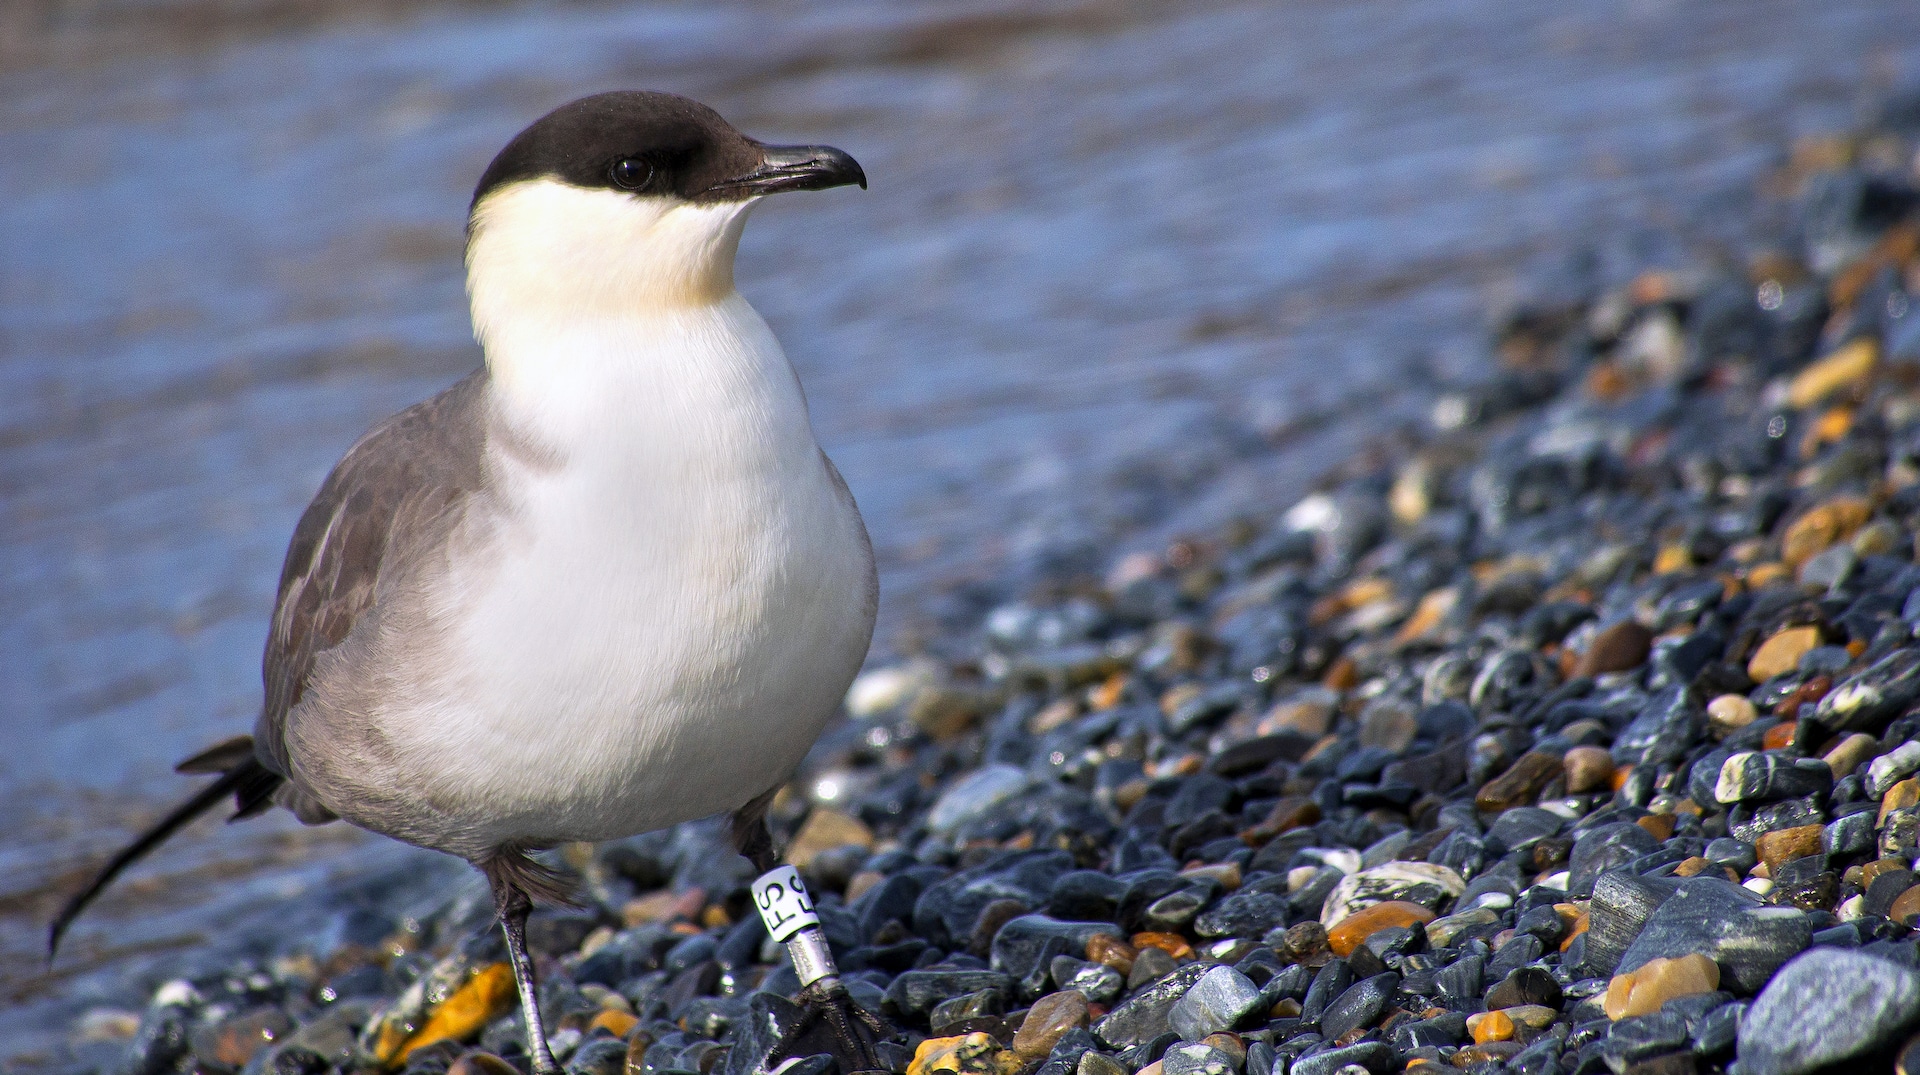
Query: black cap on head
(650,143)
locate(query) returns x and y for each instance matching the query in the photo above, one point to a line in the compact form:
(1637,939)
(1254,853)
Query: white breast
(673,597)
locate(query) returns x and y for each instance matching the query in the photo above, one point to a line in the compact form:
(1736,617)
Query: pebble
(1490,1026)
(1144,1015)
(1589,769)
(975,1054)
(1825,1007)
(975,795)
(825,830)
(1526,987)
(1781,846)
(1196,1058)
(1424,883)
(1781,653)
(1519,784)
(1619,648)
(1731,712)
(1846,366)
(1355,928)
(1359,1006)
(1218,1001)
(1644,991)
(1048,1021)
(486,996)
(1892,767)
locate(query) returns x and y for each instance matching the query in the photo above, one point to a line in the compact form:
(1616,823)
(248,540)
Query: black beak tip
(784,168)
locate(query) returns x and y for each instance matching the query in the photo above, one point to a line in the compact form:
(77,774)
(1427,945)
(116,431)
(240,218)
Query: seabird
(607,583)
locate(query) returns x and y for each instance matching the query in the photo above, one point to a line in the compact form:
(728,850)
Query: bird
(606,583)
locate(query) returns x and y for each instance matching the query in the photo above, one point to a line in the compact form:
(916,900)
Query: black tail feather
(222,757)
(250,783)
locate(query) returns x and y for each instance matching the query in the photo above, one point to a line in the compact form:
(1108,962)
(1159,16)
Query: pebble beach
(1577,730)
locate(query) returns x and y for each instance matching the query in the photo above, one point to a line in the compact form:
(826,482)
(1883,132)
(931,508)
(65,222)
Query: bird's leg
(787,910)
(514,906)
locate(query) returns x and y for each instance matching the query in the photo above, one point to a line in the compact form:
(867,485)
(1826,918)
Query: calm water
(1124,269)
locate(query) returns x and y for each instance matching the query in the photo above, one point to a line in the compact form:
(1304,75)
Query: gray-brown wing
(404,473)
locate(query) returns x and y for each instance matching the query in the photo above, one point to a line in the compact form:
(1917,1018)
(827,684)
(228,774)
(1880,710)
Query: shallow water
(1124,270)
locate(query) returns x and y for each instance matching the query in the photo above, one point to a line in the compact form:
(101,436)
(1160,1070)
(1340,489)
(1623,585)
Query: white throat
(596,306)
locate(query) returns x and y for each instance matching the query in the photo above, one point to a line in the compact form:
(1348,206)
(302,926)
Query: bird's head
(623,201)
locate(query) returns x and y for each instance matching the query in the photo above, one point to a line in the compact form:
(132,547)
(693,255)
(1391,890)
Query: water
(1124,270)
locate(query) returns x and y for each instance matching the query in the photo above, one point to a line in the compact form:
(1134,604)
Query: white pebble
(1889,769)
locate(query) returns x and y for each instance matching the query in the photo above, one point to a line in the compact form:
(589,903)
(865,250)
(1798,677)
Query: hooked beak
(784,168)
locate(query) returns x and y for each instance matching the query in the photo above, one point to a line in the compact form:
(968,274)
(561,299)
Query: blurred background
(1126,271)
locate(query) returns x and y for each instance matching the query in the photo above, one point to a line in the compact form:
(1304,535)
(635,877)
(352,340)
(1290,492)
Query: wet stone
(1603,848)
(1642,1036)
(1750,823)
(1715,1033)
(1526,986)
(1891,768)
(1589,768)
(1243,914)
(964,1009)
(1730,713)
(1848,835)
(1360,1006)
(1375,1057)
(1196,1058)
(1025,946)
(1723,921)
(1086,895)
(1883,690)
(1218,1001)
(915,992)
(976,794)
(1092,1063)
(1144,1015)
(1825,1007)
(1521,782)
(1099,984)
(1750,776)
(1050,1018)
(1150,965)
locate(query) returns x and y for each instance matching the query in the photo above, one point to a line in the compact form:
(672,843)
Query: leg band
(786,908)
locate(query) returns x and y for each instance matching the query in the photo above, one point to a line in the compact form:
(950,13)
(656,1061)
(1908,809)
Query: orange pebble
(1493,1026)
(1620,776)
(1111,952)
(1780,736)
(1351,931)
(1660,825)
(1171,943)
(617,1023)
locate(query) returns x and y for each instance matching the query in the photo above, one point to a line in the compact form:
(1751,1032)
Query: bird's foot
(852,1033)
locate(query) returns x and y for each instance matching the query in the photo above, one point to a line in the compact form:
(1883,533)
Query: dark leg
(514,906)
(822,998)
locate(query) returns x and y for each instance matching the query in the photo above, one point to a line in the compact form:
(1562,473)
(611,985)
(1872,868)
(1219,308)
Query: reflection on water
(1124,269)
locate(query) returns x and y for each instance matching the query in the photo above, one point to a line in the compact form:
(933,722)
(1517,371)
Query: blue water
(1125,270)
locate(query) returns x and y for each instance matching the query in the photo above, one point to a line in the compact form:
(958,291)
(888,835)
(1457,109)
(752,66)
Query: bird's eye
(631,173)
